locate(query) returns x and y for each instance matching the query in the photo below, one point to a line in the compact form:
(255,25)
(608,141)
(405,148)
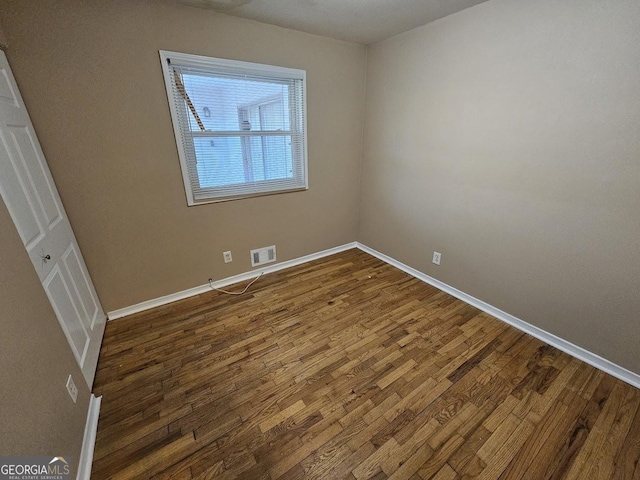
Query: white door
(28,190)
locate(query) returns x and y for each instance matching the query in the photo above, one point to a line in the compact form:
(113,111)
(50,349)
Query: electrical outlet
(227,257)
(436,258)
(73,390)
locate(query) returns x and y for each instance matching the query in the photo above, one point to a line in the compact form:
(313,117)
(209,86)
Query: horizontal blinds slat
(263,133)
(211,73)
(206,194)
(235,69)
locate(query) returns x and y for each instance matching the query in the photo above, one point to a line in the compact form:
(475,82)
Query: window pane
(235,160)
(219,161)
(225,104)
(271,157)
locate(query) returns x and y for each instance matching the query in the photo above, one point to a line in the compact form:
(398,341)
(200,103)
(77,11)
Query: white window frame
(245,190)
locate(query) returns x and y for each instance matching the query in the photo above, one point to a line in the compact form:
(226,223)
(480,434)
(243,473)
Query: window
(239,127)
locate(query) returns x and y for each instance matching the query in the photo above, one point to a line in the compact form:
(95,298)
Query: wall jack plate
(72,389)
(437,256)
(227,257)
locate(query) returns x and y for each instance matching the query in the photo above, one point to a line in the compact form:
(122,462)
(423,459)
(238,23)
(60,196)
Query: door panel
(40,182)
(28,190)
(7,95)
(20,206)
(62,301)
(81,286)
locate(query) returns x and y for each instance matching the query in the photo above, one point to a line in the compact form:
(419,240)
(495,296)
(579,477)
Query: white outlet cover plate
(436,258)
(72,389)
(227,257)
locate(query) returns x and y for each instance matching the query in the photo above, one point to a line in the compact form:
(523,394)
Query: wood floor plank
(346,367)
(603,463)
(304,451)
(597,436)
(158,460)
(628,457)
(506,452)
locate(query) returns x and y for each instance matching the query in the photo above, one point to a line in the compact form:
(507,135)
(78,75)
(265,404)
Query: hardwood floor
(349,368)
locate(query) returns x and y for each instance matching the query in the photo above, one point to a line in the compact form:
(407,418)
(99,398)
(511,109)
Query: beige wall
(3,37)
(507,137)
(37,417)
(90,74)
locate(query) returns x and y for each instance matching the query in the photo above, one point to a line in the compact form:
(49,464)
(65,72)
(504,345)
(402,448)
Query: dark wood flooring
(349,368)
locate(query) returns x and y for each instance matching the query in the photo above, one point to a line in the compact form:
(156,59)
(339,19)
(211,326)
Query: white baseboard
(174,297)
(561,344)
(89,441)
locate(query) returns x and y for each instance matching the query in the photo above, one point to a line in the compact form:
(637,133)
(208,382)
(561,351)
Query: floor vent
(260,256)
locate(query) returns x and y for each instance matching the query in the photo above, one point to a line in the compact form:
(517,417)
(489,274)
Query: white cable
(235,293)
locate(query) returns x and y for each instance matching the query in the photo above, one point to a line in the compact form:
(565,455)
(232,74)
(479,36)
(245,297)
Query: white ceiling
(359,21)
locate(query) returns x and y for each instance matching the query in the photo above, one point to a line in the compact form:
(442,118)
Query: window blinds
(240,127)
